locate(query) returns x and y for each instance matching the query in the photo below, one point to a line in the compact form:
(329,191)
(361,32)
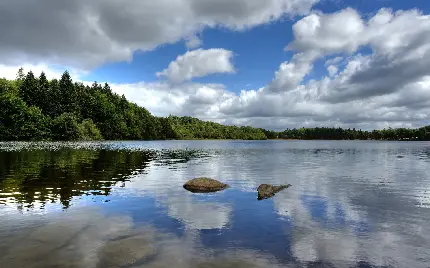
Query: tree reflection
(29,177)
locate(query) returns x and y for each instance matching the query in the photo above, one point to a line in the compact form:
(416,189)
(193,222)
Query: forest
(35,108)
(325,133)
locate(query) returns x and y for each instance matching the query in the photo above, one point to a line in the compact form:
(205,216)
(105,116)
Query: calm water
(121,204)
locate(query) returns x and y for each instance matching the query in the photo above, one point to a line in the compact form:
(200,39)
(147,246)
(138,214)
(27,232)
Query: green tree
(66,128)
(20,75)
(43,93)
(68,94)
(29,88)
(89,131)
(20,122)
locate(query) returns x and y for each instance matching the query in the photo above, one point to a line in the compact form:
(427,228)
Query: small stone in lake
(268,190)
(204,185)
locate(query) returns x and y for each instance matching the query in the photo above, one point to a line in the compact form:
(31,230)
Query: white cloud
(198,63)
(332,70)
(388,33)
(290,74)
(193,42)
(162,99)
(10,71)
(328,33)
(333,61)
(87,34)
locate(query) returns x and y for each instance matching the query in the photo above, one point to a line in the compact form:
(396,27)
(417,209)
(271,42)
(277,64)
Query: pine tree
(28,89)
(43,98)
(68,93)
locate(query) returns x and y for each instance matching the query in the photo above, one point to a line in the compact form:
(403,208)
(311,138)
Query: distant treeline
(325,133)
(35,108)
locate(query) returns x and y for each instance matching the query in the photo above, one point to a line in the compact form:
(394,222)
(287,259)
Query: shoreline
(277,139)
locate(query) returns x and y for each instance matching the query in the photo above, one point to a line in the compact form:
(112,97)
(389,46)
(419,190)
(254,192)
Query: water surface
(121,204)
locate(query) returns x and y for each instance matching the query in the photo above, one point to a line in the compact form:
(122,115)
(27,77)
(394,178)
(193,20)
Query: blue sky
(357,63)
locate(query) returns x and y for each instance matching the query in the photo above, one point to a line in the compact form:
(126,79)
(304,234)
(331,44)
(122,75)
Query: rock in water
(204,185)
(267,190)
(126,252)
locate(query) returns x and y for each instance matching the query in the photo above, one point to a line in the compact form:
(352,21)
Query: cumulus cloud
(295,108)
(388,33)
(291,73)
(162,99)
(198,63)
(328,33)
(86,34)
(387,87)
(400,48)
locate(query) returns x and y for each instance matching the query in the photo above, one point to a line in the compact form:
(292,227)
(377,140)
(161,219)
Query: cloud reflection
(198,214)
(87,238)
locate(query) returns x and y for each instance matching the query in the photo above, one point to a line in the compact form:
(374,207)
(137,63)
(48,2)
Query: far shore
(277,139)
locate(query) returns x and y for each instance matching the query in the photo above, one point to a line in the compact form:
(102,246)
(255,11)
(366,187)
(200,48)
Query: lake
(122,204)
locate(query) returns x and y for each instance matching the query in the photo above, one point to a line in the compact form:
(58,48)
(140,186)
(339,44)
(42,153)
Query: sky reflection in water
(352,204)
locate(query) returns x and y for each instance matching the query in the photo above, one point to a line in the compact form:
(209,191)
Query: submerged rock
(204,185)
(268,190)
(126,252)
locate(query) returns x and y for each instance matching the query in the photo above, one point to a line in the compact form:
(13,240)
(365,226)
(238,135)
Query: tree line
(326,133)
(192,128)
(35,108)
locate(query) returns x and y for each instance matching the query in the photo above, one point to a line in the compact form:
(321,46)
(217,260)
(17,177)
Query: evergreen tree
(29,88)
(54,99)
(68,94)
(43,94)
